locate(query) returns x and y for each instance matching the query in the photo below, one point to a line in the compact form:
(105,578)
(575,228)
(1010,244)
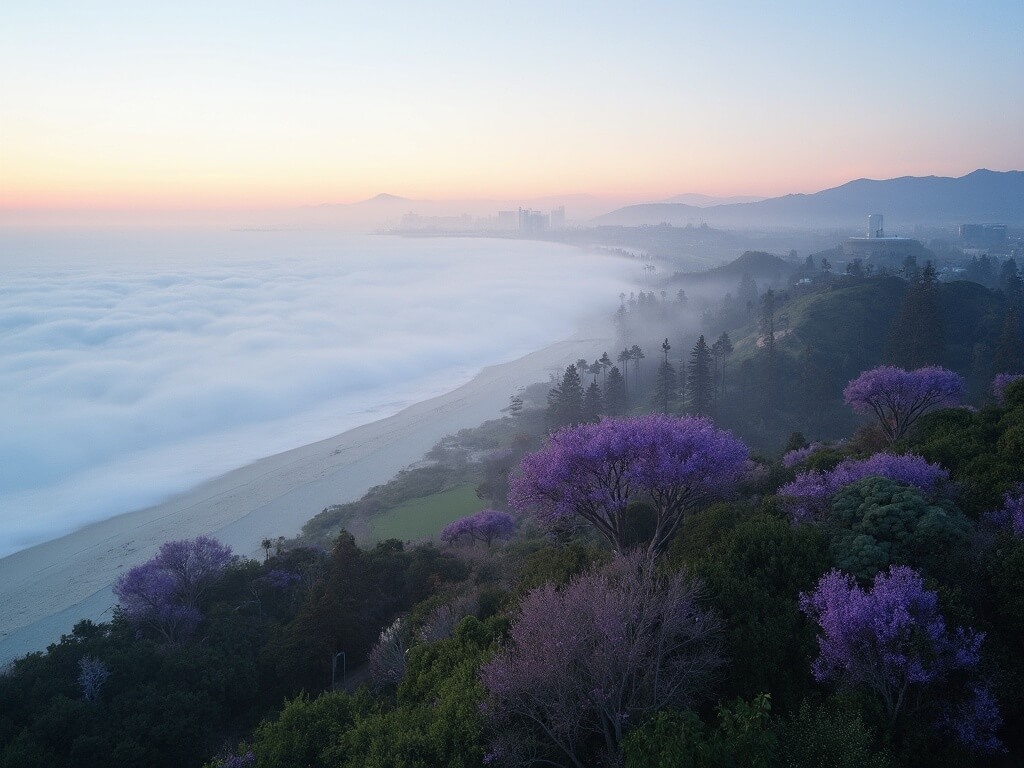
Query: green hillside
(827,337)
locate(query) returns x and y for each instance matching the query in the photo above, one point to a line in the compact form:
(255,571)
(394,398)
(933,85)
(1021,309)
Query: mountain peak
(384,197)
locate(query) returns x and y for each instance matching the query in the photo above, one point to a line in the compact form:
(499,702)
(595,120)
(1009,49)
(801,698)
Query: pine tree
(700,377)
(725,348)
(615,393)
(592,403)
(682,382)
(565,401)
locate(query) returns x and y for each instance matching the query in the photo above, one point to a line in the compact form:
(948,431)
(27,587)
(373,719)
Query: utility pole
(334,669)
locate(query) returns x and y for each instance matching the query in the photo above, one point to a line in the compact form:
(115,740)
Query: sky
(151,106)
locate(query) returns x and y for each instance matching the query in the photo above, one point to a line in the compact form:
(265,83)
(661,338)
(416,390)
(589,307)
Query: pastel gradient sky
(262,104)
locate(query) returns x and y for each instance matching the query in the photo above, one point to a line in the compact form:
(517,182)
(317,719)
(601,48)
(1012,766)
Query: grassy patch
(425,516)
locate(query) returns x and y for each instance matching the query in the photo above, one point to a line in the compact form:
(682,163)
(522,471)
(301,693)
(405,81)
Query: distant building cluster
(524,220)
(413,221)
(983,237)
(878,249)
(534,221)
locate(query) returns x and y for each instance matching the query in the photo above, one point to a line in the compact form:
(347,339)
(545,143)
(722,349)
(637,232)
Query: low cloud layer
(134,366)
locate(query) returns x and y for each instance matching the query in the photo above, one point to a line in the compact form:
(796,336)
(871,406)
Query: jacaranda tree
(586,662)
(165,592)
(1010,516)
(899,397)
(893,641)
(809,495)
(485,525)
(591,473)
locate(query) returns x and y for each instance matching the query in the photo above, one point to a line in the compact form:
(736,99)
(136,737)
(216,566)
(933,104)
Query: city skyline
(244,106)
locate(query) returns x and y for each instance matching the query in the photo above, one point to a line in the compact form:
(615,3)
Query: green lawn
(426,516)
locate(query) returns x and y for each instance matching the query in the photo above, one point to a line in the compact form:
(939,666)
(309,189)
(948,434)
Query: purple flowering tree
(592,472)
(164,593)
(586,661)
(893,641)
(1010,516)
(799,455)
(899,398)
(1001,382)
(809,494)
(485,525)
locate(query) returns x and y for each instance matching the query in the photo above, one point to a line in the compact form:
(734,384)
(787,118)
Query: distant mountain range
(980,197)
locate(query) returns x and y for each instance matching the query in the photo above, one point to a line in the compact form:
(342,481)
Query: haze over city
(195,107)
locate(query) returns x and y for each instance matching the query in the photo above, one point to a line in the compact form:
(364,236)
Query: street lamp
(334,668)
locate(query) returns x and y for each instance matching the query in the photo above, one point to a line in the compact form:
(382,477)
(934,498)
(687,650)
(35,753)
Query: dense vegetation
(645,592)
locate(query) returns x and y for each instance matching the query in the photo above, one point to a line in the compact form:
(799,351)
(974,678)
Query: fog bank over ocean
(135,365)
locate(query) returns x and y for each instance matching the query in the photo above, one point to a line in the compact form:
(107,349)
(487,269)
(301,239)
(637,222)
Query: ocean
(134,365)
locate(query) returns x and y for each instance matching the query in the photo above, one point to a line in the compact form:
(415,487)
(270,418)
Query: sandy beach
(45,589)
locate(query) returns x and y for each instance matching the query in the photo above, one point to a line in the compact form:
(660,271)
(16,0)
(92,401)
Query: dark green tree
(565,400)
(636,354)
(665,388)
(743,737)
(700,377)
(915,338)
(592,403)
(606,363)
(754,567)
(615,403)
(1009,354)
(1010,282)
(875,523)
(721,349)
(624,357)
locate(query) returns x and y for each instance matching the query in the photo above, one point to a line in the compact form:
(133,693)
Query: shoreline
(47,588)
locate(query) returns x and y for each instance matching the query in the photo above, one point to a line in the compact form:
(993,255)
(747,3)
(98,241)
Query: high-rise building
(532,221)
(875,228)
(982,235)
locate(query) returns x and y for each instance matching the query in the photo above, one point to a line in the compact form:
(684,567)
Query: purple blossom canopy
(811,492)
(164,592)
(1010,516)
(485,525)
(893,640)
(1001,382)
(798,455)
(592,472)
(898,397)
